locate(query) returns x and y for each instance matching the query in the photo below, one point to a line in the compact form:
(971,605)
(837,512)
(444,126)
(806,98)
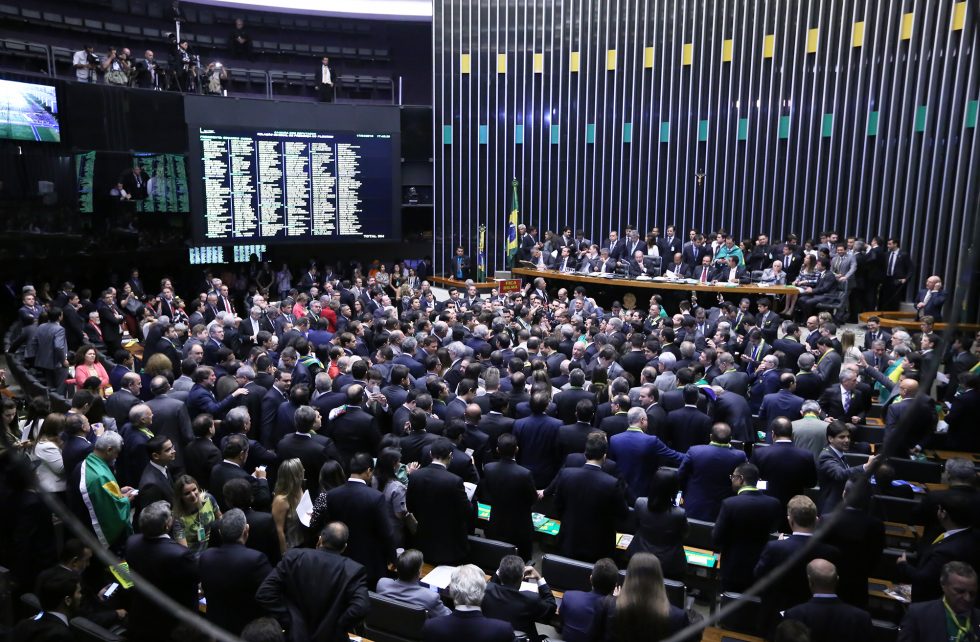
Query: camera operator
(86,64)
(215,79)
(116,68)
(187,65)
(147,75)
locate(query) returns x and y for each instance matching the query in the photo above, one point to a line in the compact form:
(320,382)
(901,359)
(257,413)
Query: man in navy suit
(792,588)
(578,608)
(231,574)
(930,621)
(766,380)
(782,403)
(743,527)
(537,438)
(822,291)
(930,299)
(827,616)
(639,454)
(733,409)
(706,474)
(686,426)
(437,499)
(365,512)
(787,469)
(201,398)
(589,503)
(509,489)
(467,588)
(845,401)
(832,471)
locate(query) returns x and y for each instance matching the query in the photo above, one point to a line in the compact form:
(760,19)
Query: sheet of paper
(304,510)
(439,576)
(529,587)
(470,489)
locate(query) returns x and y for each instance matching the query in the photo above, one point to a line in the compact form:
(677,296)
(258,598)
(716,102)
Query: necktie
(926,299)
(847,401)
(891,263)
(704,273)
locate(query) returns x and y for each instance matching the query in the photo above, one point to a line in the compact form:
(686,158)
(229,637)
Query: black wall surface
(748,115)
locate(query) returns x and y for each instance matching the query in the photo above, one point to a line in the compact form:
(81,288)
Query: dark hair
(441,448)
(596,445)
(54,585)
(237,494)
(331,475)
(384,470)
(749,473)
(263,629)
(360,463)
(154,446)
(507,445)
(663,489)
(409,564)
(605,575)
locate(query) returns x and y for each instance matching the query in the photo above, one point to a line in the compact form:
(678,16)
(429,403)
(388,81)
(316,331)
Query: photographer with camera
(187,65)
(117,67)
(215,79)
(147,74)
(87,64)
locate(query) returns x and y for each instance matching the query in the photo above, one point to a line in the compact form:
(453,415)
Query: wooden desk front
(655,285)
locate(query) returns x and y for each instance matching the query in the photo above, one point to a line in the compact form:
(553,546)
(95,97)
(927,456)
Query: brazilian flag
(512,227)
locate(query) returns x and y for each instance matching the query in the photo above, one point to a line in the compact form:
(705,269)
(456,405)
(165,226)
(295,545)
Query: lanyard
(961,629)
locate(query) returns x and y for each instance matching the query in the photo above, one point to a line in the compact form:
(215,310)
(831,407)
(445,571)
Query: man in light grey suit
(51,351)
(407,588)
(170,418)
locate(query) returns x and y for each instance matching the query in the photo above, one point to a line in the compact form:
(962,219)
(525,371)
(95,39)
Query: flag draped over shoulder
(894,372)
(512,226)
(481,255)
(108,509)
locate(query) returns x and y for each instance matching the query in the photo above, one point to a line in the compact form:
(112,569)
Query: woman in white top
(47,454)
(848,341)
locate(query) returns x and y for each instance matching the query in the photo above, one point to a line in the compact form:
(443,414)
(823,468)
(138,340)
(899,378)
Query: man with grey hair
(845,401)
(467,587)
(170,417)
(810,432)
(124,398)
(961,475)
(408,358)
(638,454)
(238,421)
(330,590)
(666,379)
(95,496)
(809,385)
(731,379)
(134,456)
(216,338)
(955,611)
(167,565)
(231,574)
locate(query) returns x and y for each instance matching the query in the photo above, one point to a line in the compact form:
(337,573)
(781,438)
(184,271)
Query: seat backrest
(885,569)
(391,620)
(746,618)
(84,630)
(676,592)
(894,509)
(883,631)
(699,534)
(566,574)
(487,553)
(924,472)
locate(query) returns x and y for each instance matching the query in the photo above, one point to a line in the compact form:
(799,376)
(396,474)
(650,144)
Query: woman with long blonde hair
(289,492)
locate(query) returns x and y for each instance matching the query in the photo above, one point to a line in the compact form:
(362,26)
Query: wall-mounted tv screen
(107,178)
(29,111)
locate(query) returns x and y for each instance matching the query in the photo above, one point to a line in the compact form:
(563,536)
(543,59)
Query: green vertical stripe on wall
(921,113)
(702,131)
(827,129)
(590,133)
(665,132)
(972,108)
(447,134)
(742,130)
(555,134)
(873,124)
(483,134)
(518,134)
(784,122)
(627,132)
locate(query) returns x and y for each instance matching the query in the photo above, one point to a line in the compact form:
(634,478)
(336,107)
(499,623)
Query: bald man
(907,389)
(930,299)
(827,616)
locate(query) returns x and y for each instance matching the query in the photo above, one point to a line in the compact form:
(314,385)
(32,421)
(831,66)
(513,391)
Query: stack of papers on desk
(439,577)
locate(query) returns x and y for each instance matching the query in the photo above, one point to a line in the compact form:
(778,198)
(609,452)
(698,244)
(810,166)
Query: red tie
(704,274)
(227,305)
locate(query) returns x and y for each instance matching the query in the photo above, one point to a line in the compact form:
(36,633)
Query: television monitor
(29,112)
(209,255)
(160,186)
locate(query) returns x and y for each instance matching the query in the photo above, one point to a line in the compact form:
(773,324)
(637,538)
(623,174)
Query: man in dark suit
(571,437)
(537,437)
(170,567)
(898,269)
(958,542)
(124,398)
(931,621)
(821,292)
(929,300)
(874,333)
(262,534)
(231,574)
(687,426)
(792,588)
(832,471)
(59,592)
(705,474)
(509,490)
(743,527)
(437,499)
(729,272)
(782,403)
(589,502)
(155,483)
(364,510)
(201,455)
(734,410)
(467,589)
(731,379)
(504,599)
(641,265)
(844,401)
(355,430)
(235,453)
(828,616)
(311,448)
(788,470)
(495,423)
(201,397)
(170,418)
(567,400)
(860,538)
(317,594)
(275,397)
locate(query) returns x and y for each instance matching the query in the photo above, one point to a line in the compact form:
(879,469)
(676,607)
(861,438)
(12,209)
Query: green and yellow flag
(481,255)
(512,227)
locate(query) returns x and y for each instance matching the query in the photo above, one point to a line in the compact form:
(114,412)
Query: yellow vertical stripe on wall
(687,55)
(648,57)
(857,38)
(501,63)
(574,61)
(464,63)
(812,40)
(611,60)
(769,46)
(907,20)
(727,50)
(538,63)
(959,16)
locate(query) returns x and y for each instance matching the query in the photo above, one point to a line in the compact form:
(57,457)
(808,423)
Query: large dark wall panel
(754,116)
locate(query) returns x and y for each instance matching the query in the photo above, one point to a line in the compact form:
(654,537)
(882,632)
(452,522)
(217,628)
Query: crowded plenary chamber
(489,321)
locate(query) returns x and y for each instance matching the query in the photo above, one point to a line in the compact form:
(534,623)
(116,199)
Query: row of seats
(201,41)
